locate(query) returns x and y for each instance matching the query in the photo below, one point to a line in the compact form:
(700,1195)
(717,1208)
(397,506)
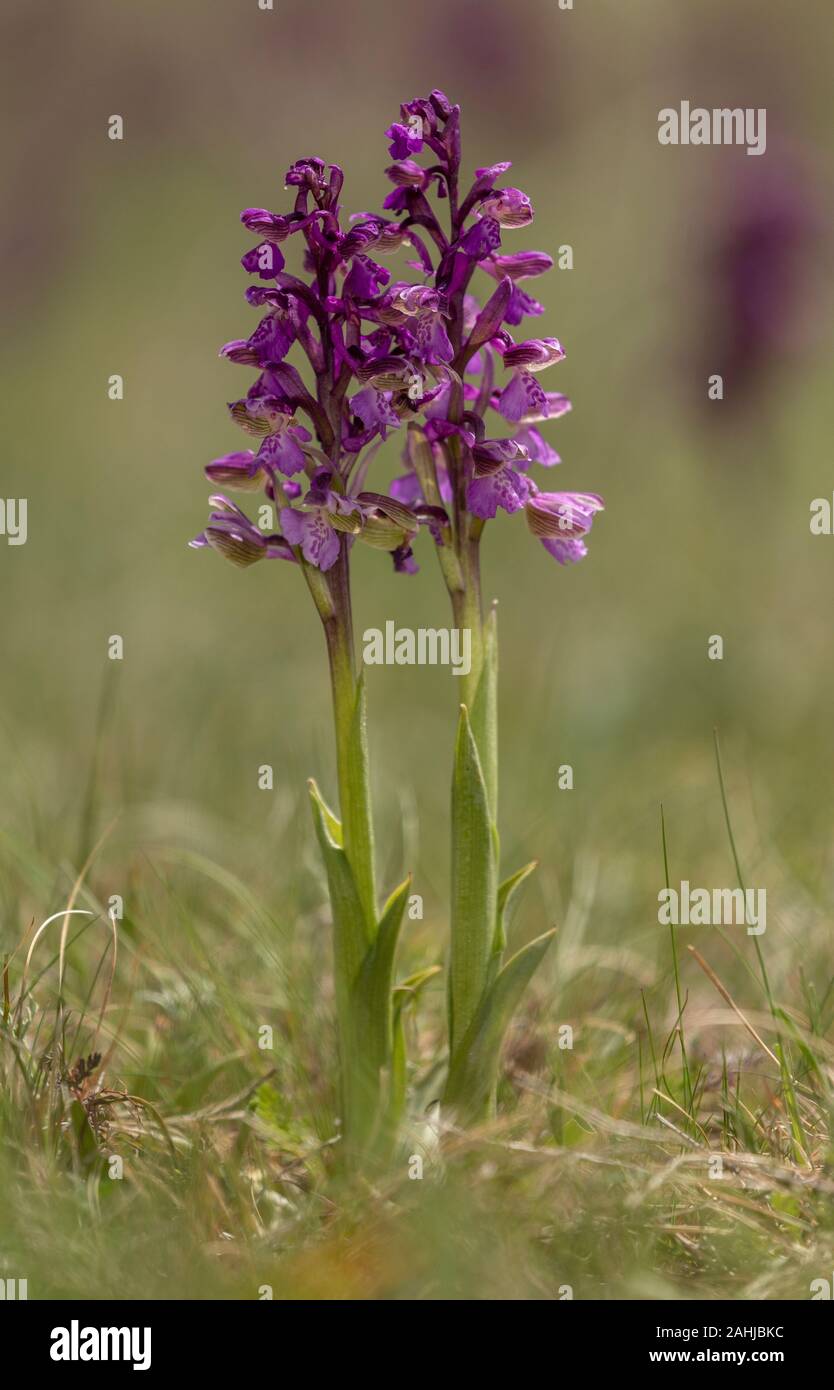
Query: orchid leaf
(485,712)
(351,942)
(470,1087)
(405,995)
(373,994)
(474,883)
(374,1072)
(356,809)
(352,937)
(331,821)
(506,894)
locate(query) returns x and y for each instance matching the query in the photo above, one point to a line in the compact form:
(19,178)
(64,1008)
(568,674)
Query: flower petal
(504,488)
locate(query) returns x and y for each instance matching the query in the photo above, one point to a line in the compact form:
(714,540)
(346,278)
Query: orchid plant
(315,479)
(461,476)
(377,355)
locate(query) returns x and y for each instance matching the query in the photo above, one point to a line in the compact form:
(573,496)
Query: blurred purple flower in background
(757,313)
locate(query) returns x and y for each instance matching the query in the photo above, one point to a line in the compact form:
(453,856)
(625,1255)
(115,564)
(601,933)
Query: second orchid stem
(351,740)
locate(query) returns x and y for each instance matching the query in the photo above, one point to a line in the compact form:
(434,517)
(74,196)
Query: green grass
(595,1175)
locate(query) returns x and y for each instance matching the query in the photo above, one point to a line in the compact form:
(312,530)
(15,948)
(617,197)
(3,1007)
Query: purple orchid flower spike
(442,332)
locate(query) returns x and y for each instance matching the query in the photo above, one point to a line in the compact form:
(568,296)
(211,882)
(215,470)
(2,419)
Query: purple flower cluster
(468,471)
(335,315)
(385,351)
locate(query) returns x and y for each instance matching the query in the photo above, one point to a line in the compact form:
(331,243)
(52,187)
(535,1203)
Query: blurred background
(123,257)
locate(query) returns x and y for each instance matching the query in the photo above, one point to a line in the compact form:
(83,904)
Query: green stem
(467,609)
(362,980)
(478,691)
(351,739)
(474,836)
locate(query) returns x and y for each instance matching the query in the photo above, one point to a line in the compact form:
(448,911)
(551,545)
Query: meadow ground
(599,1175)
